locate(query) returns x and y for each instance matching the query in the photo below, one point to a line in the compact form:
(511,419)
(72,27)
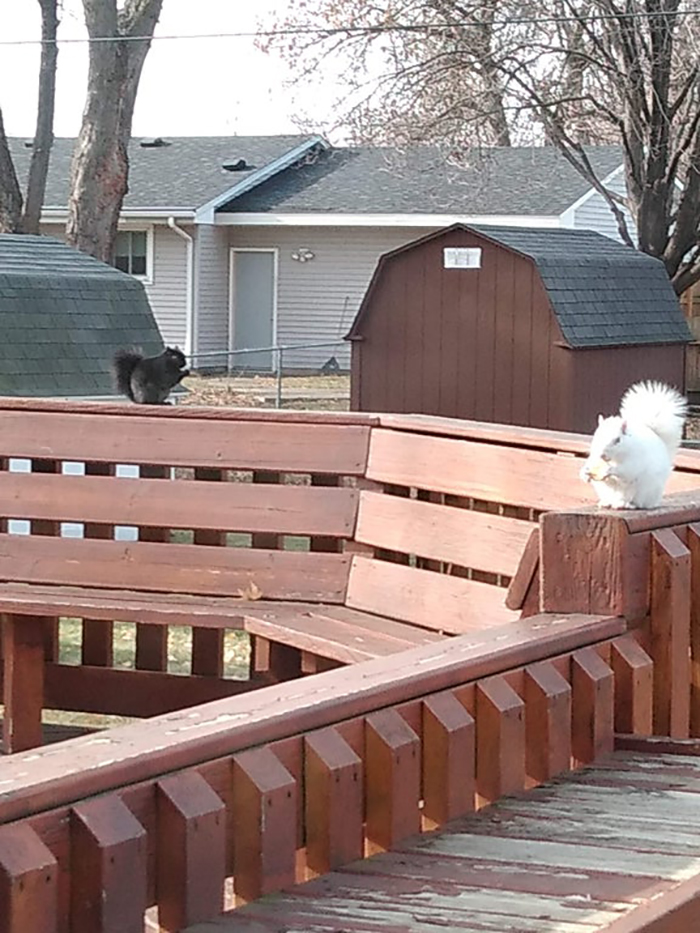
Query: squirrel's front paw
(597,470)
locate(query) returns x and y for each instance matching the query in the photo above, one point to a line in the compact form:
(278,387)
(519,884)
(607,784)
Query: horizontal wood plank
(465,537)
(285,509)
(433,600)
(173,568)
(246,445)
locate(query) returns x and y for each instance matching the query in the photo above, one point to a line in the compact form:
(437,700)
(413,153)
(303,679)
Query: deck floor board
(573,856)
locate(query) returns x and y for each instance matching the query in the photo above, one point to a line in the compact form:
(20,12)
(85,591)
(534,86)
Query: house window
(132,252)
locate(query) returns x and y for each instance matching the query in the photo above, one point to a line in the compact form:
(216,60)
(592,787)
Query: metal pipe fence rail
(278,351)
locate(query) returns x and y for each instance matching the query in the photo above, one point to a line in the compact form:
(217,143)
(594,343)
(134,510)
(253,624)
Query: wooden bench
(329,539)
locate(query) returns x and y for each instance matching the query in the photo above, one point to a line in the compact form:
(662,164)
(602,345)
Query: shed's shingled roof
(62,316)
(188,173)
(603,294)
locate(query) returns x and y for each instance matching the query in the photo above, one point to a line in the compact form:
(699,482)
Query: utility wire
(353,31)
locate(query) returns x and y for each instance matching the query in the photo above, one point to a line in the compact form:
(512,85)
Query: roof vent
(28,144)
(156,143)
(240,165)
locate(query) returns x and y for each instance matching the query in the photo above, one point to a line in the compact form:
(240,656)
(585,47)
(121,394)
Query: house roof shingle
(188,173)
(604,294)
(62,316)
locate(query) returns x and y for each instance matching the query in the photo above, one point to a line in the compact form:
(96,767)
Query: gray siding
(211,294)
(317,300)
(168,291)
(595,214)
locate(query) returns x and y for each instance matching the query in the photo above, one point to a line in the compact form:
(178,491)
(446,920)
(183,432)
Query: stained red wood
(178,740)
(436,601)
(182,568)
(460,536)
(525,573)
(264,817)
(283,509)
(272,658)
(448,759)
(191,851)
(107,867)
(28,883)
(634,686)
(547,698)
(334,795)
(208,644)
(593,709)
(39,526)
(23,681)
(392,776)
(302,444)
(693,543)
(670,633)
(500,739)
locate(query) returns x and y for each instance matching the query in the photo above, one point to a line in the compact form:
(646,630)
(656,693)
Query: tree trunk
(43,136)
(10,194)
(99,173)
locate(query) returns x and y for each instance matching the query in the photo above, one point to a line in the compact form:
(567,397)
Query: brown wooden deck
(598,850)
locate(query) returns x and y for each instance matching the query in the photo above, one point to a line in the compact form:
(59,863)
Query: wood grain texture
(23,681)
(693,544)
(634,687)
(28,882)
(435,601)
(465,537)
(670,633)
(500,739)
(547,698)
(448,750)
(593,706)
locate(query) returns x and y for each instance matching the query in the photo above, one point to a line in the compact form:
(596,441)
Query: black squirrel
(147,380)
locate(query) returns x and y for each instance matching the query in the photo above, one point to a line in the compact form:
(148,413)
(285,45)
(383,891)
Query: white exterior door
(253,307)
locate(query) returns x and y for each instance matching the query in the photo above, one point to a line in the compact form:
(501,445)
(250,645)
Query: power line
(356,31)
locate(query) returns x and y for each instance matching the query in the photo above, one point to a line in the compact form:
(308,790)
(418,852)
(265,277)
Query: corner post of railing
(280,360)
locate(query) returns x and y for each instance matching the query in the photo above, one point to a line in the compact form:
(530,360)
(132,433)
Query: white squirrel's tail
(660,408)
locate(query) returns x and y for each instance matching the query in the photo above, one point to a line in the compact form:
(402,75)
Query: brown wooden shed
(520,326)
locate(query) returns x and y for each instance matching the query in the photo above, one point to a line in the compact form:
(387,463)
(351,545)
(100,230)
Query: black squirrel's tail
(123,366)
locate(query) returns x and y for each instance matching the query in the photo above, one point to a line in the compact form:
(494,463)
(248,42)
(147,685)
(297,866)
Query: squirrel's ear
(601,419)
(623,427)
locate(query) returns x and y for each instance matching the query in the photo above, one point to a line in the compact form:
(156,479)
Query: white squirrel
(631,455)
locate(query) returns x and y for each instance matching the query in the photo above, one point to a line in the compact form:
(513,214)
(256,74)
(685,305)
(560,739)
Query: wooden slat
(182,568)
(188,504)
(512,475)
(97,645)
(448,759)
(28,883)
(333,797)
(434,600)
(548,721)
(264,816)
(260,444)
(168,743)
(593,706)
(191,848)
(107,867)
(207,643)
(51,527)
(460,536)
(670,633)
(151,652)
(500,739)
(23,681)
(392,775)
(693,543)
(634,686)
(525,574)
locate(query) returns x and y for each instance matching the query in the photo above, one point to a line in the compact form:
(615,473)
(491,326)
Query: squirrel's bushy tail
(660,408)
(123,365)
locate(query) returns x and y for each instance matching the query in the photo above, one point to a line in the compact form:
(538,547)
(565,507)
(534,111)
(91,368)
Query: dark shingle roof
(62,316)
(603,294)
(526,181)
(187,173)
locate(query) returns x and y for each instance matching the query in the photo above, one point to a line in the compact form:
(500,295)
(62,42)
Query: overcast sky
(189,87)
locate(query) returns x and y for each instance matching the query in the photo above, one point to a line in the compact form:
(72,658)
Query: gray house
(260,241)
(62,316)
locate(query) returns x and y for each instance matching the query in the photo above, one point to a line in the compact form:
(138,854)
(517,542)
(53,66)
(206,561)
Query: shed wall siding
(595,214)
(211,294)
(317,300)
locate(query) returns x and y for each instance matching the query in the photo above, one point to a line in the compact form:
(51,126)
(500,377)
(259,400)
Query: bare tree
(120,37)
(569,72)
(12,220)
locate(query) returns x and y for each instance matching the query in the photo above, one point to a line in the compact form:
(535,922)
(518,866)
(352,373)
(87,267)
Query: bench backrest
(278,528)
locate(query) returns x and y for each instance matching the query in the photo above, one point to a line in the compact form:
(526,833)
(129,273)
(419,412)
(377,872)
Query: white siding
(168,291)
(317,300)
(211,294)
(595,213)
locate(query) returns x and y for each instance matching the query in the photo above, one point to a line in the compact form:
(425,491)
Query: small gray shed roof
(62,316)
(604,294)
